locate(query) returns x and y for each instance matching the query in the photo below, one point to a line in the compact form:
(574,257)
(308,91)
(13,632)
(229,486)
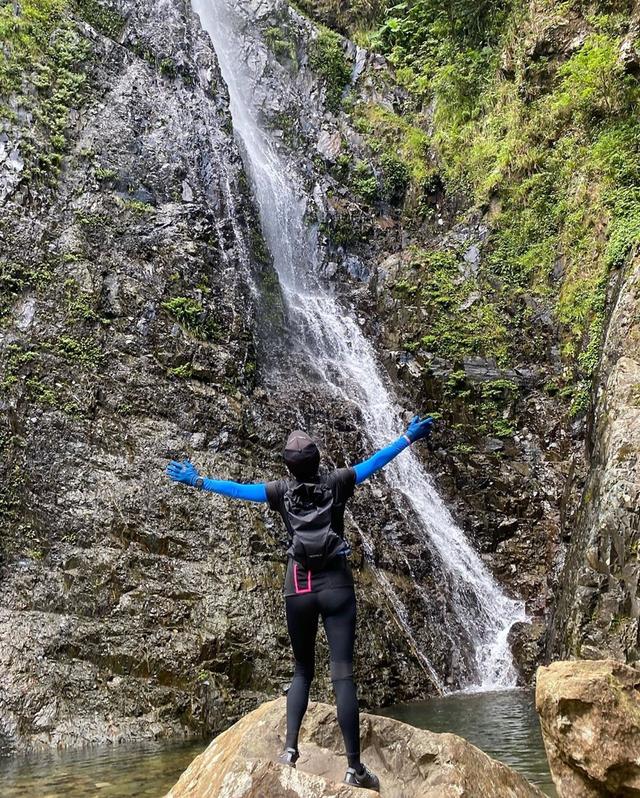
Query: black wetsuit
(328,594)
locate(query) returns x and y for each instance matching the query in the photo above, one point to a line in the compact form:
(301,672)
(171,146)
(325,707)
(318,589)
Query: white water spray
(336,348)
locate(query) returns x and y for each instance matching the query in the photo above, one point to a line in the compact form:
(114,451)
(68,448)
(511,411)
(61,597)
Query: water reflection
(124,771)
(503,724)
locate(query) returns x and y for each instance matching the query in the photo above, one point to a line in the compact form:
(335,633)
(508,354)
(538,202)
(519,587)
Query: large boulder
(411,763)
(590,715)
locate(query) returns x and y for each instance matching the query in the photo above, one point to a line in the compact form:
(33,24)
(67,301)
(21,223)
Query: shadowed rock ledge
(411,763)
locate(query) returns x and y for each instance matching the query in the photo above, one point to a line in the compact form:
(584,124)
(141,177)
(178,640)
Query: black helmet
(301,455)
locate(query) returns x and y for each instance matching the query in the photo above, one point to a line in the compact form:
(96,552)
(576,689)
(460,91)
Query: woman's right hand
(184,472)
(419,428)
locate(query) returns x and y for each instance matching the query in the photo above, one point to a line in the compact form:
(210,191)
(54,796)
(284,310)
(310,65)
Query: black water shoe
(362,778)
(289,757)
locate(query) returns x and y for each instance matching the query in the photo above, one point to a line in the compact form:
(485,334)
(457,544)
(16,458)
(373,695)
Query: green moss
(191,315)
(92,220)
(364,182)
(396,177)
(593,82)
(16,277)
(168,68)
(138,207)
(104,19)
(103,173)
(457,323)
(182,372)
(394,136)
(42,64)
(257,245)
(345,229)
(289,123)
(553,147)
(327,59)
(15,358)
(282,44)
(84,352)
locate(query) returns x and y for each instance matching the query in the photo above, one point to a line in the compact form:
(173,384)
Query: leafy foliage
(551,143)
(327,59)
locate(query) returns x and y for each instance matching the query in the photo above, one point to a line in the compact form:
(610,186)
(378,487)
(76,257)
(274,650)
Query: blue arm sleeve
(380,459)
(255,492)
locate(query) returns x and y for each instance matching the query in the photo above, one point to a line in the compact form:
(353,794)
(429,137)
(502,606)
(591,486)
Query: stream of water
(334,345)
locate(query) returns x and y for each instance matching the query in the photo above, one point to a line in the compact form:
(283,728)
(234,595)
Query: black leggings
(337,606)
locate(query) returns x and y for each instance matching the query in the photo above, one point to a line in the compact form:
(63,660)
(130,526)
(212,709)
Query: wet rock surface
(132,333)
(137,339)
(598,610)
(590,716)
(505,446)
(411,763)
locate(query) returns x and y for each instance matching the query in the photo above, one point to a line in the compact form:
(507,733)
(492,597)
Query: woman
(318,581)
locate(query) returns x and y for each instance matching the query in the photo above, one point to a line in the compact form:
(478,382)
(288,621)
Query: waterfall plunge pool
(503,724)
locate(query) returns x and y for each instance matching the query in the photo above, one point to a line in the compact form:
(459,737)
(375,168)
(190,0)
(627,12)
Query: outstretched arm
(188,474)
(416,430)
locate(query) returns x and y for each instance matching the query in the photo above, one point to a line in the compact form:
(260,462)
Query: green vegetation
(550,143)
(42,64)
(81,352)
(138,207)
(182,372)
(287,121)
(168,68)
(364,182)
(25,366)
(460,322)
(91,220)
(103,173)
(192,316)
(401,149)
(327,59)
(105,20)
(18,277)
(282,44)
(352,18)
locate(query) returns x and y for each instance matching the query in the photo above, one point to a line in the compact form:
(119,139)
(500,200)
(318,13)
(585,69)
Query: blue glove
(184,472)
(419,428)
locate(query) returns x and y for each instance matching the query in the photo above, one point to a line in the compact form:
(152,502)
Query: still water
(146,770)
(503,724)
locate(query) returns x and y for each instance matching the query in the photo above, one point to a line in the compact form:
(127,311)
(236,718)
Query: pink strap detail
(407,438)
(298,589)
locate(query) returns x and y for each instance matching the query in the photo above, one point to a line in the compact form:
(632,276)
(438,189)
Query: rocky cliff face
(488,289)
(136,296)
(127,338)
(598,611)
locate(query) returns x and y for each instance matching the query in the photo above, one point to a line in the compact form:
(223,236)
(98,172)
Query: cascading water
(335,347)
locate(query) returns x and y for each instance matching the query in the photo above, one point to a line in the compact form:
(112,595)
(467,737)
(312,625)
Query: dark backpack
(309,510)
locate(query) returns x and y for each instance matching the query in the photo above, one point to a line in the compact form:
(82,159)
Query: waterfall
(331,341)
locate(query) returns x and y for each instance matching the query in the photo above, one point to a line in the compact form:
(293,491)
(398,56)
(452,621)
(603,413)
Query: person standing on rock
(318,582)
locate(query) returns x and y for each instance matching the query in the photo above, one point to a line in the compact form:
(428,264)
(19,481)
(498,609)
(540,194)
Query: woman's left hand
(184,472)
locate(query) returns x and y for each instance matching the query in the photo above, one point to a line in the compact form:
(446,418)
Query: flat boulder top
(410,762)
